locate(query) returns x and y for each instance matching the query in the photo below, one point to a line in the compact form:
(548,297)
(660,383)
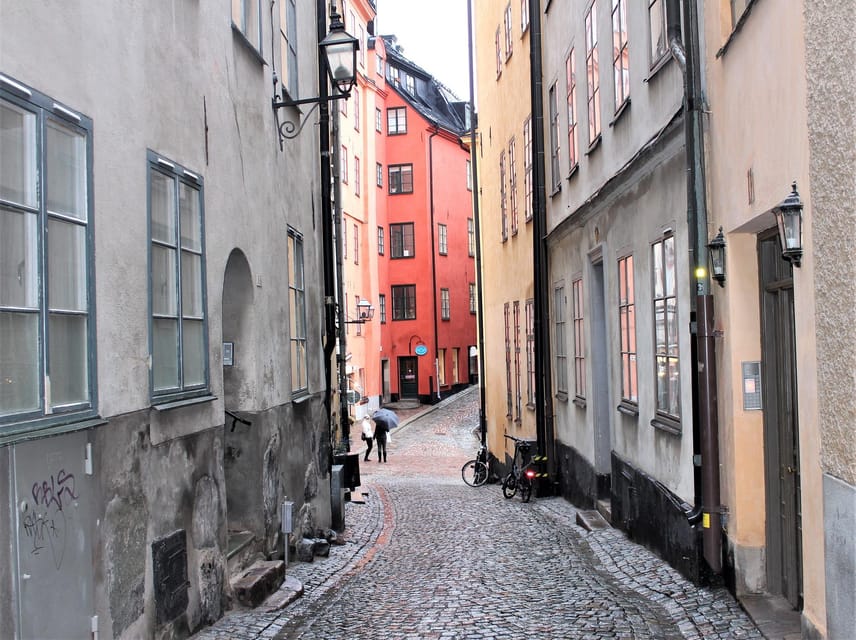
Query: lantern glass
(789,221)
(340,51)
(717,257)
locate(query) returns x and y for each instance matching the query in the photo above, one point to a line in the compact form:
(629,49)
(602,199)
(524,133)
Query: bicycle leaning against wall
(521,475)
(475,472)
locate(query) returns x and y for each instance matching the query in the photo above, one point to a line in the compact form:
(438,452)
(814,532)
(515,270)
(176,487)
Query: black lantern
(365,310)
(717,258)
(789,220)
(340,53)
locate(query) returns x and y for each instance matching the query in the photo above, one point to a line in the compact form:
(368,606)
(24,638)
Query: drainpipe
(344,427)
(704,386)
(477,230)
(543,386)
(434,258)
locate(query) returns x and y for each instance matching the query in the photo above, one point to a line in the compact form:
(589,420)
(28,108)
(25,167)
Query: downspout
(326,227)
(344,428)
(543,386)
(434,258)
(477,229)
(706,434)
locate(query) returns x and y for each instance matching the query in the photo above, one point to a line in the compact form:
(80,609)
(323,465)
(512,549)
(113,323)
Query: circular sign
(421,350)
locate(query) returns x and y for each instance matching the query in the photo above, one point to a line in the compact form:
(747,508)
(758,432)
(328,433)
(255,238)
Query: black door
(781,422)
(408,377)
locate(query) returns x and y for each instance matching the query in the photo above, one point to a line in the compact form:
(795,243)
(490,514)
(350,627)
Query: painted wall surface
(181,81)
(832,171)
(758,145)
(504,104)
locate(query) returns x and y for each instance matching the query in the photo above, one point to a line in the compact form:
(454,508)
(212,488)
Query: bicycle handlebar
(519,442)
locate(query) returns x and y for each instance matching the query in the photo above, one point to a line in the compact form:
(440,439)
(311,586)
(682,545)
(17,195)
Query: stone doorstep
(591,520)
(258,582)
(290,591)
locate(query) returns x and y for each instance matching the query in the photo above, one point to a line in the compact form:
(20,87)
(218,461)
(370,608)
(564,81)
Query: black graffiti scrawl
(45,522)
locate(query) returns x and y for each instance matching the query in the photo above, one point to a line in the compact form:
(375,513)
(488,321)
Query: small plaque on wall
(751,386)
(228,354)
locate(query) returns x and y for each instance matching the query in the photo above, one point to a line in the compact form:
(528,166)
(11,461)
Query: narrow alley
(428,557)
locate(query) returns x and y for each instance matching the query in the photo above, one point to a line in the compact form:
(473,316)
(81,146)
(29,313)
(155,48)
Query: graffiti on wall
(44,519)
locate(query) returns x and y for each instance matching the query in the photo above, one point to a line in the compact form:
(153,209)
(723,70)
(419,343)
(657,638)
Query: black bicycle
(521,475)
(475,472)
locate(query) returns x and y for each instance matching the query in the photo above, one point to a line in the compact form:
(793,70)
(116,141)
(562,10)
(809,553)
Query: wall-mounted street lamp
(789,218)
(716,247)
(338,53)
(365,312)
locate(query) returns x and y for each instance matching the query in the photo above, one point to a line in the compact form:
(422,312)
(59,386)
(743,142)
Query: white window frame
(297,313)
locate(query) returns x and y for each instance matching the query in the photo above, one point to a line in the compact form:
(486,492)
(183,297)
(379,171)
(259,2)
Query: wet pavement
(428,557)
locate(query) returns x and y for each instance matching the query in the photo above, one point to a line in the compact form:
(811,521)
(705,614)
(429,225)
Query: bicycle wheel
(509,486)
(474,473)
(525,489)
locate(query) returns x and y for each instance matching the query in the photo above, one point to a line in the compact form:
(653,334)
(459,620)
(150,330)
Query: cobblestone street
(428,557)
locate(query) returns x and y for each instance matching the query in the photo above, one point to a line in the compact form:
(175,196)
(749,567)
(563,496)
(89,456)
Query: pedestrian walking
(367,436)
(384,420)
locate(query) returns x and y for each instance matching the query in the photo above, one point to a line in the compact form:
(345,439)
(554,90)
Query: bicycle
(475,471)
(520,477)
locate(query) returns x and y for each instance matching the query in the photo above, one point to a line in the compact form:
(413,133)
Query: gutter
(434,257)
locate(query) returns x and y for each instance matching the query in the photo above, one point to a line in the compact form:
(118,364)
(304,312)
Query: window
(356,176)
(297,312)
(512,184)
(666,328)
(471,237)
(378,120)
(379,66)
(508,35)
(404,302)
(247,18)
(561,348)
(47,339)
(503,206)
(657,26)
(356,96)
(445,304)
(473,307)
(441,367)
(527,168)
(401,238)
(396,121)
(738,8)
(524,16)
(518,399)
(571,77)
(379,174)
(620,53)
(380,241)
(356,243)
(400,178)
(410,84)
(382,304)
(443,237)
(456,358)
(288,45)
(592,75)
(344,167)
(530,352)
(344,232)
(627,328)
(579,340)
(392,74)
(509,398)
(469,175)
(498,55)
(553,100)
(361,52)
(179,326)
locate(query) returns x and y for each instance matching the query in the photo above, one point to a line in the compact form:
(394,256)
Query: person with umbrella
(385,420)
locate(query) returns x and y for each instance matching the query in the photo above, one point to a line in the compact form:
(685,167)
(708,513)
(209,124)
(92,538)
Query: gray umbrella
(388,417)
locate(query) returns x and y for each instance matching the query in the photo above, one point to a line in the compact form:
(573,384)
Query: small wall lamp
(716,247)
(365,312)
(789,218)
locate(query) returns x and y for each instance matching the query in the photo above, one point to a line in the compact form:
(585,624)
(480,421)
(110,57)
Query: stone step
(591,520)
(604,508)
(254,585)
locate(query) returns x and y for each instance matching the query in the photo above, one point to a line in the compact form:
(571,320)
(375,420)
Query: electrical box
(287,516)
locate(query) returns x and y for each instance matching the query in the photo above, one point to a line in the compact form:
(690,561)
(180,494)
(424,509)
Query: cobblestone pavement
(428,557)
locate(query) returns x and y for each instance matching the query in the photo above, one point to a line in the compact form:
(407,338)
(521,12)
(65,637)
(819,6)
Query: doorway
(600,379)
(781,422)
(408,377)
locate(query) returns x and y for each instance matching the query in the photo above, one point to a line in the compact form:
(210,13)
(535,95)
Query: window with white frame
(357,176)
(179,325)
(404,302)
(441,367)
(571,78)
(355,95)
(344,164)
(627,330)
(530,352)
(527,168)
(456,359)
(498,43)
(518,395)
(553,105)
(509,38)
(361,52)
(592,74)
(47,337)
(381,302)
(400,178)
(524,16)
(667,352)
(469,175)
(503,200)
(657,27)
(356,243)
(378,120)
(561,347)
(288,46)
(379,174)
(445,304)
(620,53)
(471,237)
(410,84)
(509,397)
(443,239)
(380,241)
(297,312)
(396,121)
(579,340)
(247,19)
(379,66)
(512,184)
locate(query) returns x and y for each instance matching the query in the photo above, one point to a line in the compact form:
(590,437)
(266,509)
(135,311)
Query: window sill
(22,434)
(580,402)
(594,145)
(186,402)
(249,46)
(628,409)
(557,189)
(562,396)
(620,112)
(659,64)
(667,424)
(574,171)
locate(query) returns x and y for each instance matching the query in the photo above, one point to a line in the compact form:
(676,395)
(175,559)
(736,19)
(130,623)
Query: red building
(426,265)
